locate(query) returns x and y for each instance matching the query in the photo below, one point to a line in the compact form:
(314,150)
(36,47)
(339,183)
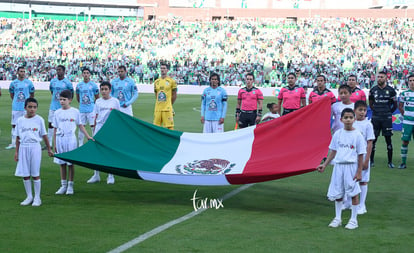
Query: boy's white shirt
(348,145)
(66,121)
(336,110)
(30,130)
(103,108)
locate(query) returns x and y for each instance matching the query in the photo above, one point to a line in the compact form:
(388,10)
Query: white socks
(28,187)
(37,187)
(50,135)
(81,137)
(363,196)
(338,209)
(14,135)
(354,212)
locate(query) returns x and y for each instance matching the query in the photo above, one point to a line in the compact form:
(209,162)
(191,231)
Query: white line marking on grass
(167,225)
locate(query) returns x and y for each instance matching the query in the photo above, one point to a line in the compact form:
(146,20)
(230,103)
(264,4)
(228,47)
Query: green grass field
(287,215)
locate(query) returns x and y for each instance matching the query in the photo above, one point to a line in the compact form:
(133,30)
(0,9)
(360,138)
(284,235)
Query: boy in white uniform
(344,92)
(347,147)
(64,122)
(30,130)
(103,107)
(364,125)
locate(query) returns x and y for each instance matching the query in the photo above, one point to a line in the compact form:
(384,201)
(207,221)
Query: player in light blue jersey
(20,89)
(125,90)
(86,93)
(213,106)
(57,85)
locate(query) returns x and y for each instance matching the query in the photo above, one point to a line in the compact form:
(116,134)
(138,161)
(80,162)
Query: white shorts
(30,156)
(51,116)
(87,117)
(342,181)
(16,115)
(65,144)
(213,126)
(127,110)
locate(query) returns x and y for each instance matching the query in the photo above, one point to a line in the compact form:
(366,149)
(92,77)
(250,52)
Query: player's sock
(50,135)
(338,209)
(80,138)
(404,152)
(389,148)
(363,195)
(37,187)
(354,212)
(14,136)
(28,188)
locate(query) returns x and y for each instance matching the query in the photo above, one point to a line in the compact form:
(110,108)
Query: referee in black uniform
(383,102)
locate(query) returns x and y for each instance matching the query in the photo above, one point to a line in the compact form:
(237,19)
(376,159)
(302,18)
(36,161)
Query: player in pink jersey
(249,104)
(357,93)
(321,91)
(292,97)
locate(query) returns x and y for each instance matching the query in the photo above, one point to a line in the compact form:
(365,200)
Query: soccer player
(249,104)
(347,147)
(165,89)
(57,85)
(320,91)
(383,102)
(125,90)
(103,108)
(30,130)
(344,92)
(292,97)
(86,93)
(357,93)
(406,107)
(65,121)
(213,106)
(20,89)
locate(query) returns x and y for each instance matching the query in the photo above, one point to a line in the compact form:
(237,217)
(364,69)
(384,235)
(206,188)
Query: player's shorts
(287,111)
(30,156)
(16,115)
(65,144)
(407,132)
(213,126)
(87,117)
(383,125)
(51,116)
(127,110)
(164,118)
(247,118)
(342,181)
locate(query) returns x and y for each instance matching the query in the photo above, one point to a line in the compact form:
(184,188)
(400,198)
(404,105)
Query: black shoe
(372,164)
(391,165)
(402,166)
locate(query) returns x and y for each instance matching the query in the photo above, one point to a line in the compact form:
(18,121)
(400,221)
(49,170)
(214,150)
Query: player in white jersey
(103,108)
(344,92)
(213,106)
(57,85)
(125,90)
(30,130)
(347,147)
(20,89)
(87,92)
(65,121)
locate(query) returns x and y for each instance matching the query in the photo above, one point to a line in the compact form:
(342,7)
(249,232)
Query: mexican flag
(290,145)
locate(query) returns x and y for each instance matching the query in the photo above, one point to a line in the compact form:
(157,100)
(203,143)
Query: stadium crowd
(269,49)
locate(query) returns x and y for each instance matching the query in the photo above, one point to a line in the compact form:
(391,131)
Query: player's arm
(54,139)
(16,153)
(238,111)
(83,130)
(303,102)
(358,175)
(134,92)
(77,96)
(368,155)
(260,110)
(401,108)
(394,105)
(331,156)
(46,141)
(173,96)
(224,110)
(203,108)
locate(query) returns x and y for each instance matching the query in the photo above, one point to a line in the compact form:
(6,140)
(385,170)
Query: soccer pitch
(286,215)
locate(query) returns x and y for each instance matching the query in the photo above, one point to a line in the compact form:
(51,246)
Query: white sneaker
(94,179)
(61,190)
(352,224)
(335,223)
(11,146)
(37,202)
(27,201)
(69,191)
(361,210)
(110,179)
